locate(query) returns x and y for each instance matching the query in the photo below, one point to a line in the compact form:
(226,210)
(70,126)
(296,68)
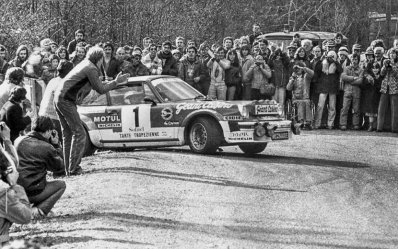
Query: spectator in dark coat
(191,70)
(233,77)
(134,66)
(169,63)
(79,37)
(111,66)
(12,114)
(255,34)
(328,74)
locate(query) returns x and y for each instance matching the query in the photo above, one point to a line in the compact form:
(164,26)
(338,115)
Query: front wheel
(251,149)
(204,136)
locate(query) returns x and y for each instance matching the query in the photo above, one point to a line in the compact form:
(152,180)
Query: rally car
(163,111)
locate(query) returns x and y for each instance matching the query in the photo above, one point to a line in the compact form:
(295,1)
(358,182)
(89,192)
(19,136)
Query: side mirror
(149,99)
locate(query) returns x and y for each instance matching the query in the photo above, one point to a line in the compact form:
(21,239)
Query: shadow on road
(189,178)
(276,159)
(267,234)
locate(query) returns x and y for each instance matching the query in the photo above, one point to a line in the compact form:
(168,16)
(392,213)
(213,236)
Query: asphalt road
(322,189)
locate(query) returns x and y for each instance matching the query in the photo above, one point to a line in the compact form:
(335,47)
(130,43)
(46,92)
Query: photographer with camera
(14,204)
(260,74)
(389,91)
(39,151)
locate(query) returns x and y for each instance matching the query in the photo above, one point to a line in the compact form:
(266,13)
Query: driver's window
(149,93)
(94,98)
(128,95)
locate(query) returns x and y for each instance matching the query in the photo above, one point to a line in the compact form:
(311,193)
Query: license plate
(280,136)
(265,109)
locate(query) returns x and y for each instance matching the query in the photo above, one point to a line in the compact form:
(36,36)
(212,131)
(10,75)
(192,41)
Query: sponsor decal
(206,105)
(108,121)
(125,135)
(167,113)
(136,129)
(146,134)
(233,118)
(265,109)
(171,123)
(240,136)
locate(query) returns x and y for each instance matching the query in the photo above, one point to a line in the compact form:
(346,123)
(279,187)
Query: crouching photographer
(14,204)
(39,152)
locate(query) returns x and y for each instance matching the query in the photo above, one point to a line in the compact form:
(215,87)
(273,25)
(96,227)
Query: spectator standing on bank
(69,93)
(21,56)
(62,53)
(152,62)
(3,63)
(50,72)
(299,84)
(133,65)
(246,63)
(79,37)
(352,78)
(12,113)
(217,65)
(256,32)
(191,70)
(328,75)
(389,91)
(180,44)
(111,65)
(14,77)
(79,55)
(280,76)
(233,77)
(169,63)
(370,90)
(259,74)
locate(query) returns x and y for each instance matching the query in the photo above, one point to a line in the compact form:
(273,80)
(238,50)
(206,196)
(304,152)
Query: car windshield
(174,89)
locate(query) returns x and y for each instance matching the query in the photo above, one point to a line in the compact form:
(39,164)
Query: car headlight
(244,111)
(280,110)
(259,130)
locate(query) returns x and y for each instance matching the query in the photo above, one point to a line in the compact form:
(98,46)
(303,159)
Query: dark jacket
(112,69)
(36,157)
(169,64)
(280,70)
(11,113)
(370,90)
(137,70)
(328,83)
(79,82)
(233,76)
(190,70)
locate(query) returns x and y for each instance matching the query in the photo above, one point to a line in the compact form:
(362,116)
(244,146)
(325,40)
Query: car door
(128,118)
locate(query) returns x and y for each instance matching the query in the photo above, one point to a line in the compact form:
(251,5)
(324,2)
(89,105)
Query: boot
(371,127)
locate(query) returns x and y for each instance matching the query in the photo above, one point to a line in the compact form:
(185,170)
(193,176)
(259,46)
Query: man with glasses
(134,66)
(169,63)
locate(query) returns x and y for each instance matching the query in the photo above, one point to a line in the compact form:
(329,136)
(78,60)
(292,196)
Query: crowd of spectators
(349,89)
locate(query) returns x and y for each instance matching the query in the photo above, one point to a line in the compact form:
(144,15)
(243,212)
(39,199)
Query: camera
(53,133)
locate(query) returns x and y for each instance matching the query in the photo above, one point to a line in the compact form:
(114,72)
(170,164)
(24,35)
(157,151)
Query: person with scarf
(328,75)
(352,78)
(169,63)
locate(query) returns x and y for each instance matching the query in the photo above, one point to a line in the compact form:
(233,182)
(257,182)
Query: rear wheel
(89,148)
(251,149)
(204,136)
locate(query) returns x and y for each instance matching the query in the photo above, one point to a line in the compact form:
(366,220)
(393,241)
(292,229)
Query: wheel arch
(201,114)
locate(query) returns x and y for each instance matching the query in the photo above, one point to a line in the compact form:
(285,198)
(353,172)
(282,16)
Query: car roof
(311,35)
(148,77)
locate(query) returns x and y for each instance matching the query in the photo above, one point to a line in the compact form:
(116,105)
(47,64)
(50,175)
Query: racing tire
(251,149)
(89,148)
(204,136)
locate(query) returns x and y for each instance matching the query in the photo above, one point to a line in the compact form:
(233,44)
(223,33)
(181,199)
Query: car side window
(128,95)
(94,98)
(149,93)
